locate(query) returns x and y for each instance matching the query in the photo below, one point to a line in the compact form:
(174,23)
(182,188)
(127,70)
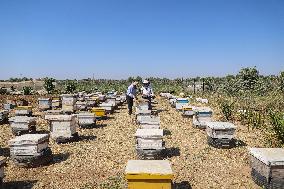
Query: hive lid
(203,109)
(2,160)
(269,156)
(148,169)
(53,112)
(23,108)
(84,114)
(149,133)
(22,119)
(220,125)
(67,95)
(47,99)
(60,117)
(28,139)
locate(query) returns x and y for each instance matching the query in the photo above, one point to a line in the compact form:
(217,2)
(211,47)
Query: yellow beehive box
(149,174)
(24,108)
(99,112)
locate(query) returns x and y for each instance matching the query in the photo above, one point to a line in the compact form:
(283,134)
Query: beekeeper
(147,93)
(131,95)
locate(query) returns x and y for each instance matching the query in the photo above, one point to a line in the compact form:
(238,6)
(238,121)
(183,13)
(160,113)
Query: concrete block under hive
(267,166)
(220,134)
(23,111)
(202,115)
(22,124)
(30,150)
(149,174)
(63,127)
(149,143)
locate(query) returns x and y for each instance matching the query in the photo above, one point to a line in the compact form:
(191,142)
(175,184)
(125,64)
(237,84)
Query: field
(99,158)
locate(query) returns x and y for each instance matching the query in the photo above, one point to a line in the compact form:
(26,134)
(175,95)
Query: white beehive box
(202,115)
(149,122)
(2,164)
(68,102)
(3,116)
(143,106)
(22,124)
(53,112)
(220,130)
(85,118)
(44,103)
(102,97)
(62,126)
(181,102)
(268,167)
(28,144)
(108,106)
(56,103)
(188,110)
(149,138)
(81,105)
(23,111)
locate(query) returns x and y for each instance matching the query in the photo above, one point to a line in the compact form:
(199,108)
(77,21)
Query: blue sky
(122,38)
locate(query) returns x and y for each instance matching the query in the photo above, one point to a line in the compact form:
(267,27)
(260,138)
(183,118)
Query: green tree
(48,85)
(27,90)
(70,86)
(248,78)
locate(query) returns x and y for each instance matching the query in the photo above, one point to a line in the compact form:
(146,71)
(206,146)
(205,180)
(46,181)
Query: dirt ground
(99,158)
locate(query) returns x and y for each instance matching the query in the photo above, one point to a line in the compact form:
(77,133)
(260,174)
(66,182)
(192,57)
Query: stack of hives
(44,104)
(9,105)
(23,111)
(2,174)
(100,113)
(63,127)
(68,103)
(56,103)
(22,124)
(86,119)
(30,150)
(4,116)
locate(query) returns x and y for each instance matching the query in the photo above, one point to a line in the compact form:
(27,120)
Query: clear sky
(122,38)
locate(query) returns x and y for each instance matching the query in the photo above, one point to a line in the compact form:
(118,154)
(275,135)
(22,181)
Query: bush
(277,121)
(48,85)
(27,90)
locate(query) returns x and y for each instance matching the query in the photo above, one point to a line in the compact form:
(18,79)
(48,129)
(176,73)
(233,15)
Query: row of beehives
(148,173)
(32,149)
(267,163)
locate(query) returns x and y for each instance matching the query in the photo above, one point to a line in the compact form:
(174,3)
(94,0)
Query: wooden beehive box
(44,103)
(181,102)
(23,111)
(142,105)
(149,174)
(268,167)
(108,106)
(28,144)
(202,115)
(149,138)
(9,106)
(2,164)
(68,102)
(149,122)
(62,127)
(187,110)
(81,105)
(22,124)
(99,112)
(4,116)
(53,112)
(86,118)
(55,103)
(220,130)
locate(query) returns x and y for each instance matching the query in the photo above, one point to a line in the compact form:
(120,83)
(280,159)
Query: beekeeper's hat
(146,81)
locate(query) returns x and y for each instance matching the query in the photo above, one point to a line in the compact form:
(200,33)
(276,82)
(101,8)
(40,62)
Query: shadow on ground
(26,184)
(182,185)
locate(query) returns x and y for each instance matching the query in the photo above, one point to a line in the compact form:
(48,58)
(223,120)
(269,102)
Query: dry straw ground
(98,160)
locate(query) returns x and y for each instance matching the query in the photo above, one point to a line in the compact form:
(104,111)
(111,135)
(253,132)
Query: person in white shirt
(147,93)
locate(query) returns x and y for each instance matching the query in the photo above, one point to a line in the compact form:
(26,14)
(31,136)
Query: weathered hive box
(108,106)
(149,122)
(9,106)
(4,116)
(44,103)
(99,112)
(63,127)
(202,115)
(181,102)
(23,111)
(149,174)
(91,101)
(22,124)
(220,134)
(2,164)
(149,143)
(118,100)
(187,111)
(142,113)
(81,105)
(55,103)
(102,97)
(53,112)
(123,98)
(143,105)
(268,167)
(30,149)
(86,119)
(173,102)
(68,102)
